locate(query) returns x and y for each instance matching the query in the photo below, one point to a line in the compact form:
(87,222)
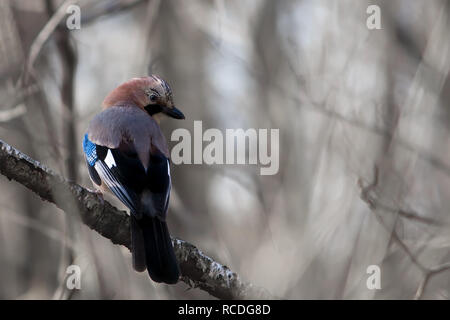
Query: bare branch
(107,8)
(428,272)
(42,38)
(367,196)
(197,269)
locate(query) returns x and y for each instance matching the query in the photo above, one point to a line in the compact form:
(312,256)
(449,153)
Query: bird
(127,155)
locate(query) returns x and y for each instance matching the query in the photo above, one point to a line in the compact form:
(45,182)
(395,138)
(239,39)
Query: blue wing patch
(90,150)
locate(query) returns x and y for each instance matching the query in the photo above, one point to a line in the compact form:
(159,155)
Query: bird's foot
(99,195)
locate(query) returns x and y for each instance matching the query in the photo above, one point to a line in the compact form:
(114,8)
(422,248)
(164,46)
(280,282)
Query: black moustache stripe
(153,109)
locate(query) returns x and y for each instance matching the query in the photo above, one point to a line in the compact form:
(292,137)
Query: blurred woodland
(364,123)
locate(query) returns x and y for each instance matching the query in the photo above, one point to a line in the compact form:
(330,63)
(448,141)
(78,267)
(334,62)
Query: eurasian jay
(126,154)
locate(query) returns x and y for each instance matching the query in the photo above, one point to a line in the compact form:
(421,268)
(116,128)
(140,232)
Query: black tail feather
(160,257)
(137,245)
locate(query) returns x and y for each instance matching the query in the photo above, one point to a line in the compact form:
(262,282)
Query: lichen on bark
(197,269)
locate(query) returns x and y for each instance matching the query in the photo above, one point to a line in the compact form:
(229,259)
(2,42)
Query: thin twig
(42,38)
(107,8)
(428,272)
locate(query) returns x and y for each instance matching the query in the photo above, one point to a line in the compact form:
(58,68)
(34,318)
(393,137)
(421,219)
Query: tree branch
(428,272)
(197,269)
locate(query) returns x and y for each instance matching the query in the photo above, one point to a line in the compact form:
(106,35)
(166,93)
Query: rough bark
(197,269)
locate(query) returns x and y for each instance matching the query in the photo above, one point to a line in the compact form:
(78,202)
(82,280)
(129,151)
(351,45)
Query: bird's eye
(153,97)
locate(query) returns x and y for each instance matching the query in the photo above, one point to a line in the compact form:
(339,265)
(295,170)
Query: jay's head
(151,94)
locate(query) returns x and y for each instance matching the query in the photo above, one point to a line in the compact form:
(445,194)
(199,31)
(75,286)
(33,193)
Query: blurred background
(364,120)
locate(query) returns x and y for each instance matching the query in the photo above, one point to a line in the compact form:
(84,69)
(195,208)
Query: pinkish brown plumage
(127,154)
(137,91)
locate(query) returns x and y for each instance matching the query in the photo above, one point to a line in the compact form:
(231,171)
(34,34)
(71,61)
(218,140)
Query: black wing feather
(94,174)
(146,193)
(159,183)
(123,174)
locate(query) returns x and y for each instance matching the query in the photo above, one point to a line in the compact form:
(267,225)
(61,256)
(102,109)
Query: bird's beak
(174,113)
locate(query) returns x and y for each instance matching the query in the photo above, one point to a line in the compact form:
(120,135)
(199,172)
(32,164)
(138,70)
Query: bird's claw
(99,195)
